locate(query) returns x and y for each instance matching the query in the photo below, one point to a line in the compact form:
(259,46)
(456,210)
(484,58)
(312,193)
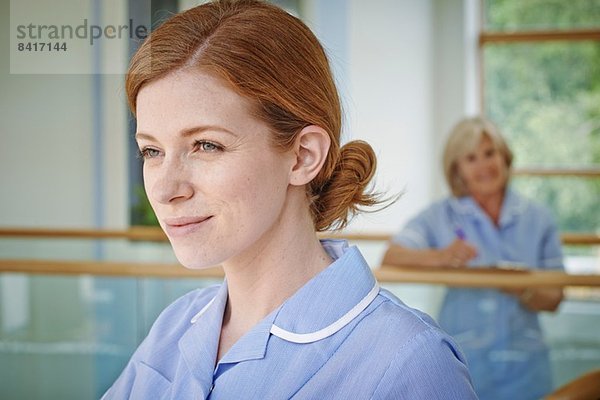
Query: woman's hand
(457,254)
(538,299)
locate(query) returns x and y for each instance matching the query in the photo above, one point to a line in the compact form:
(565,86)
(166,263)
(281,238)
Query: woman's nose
(171,184)
(481,162)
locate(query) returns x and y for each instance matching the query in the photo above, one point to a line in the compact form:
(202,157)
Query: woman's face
(483,170)
(212,177)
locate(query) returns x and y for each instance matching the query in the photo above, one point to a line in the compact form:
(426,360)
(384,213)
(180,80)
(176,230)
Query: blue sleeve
(551,256)
(138,378)
(141,378)
(416,234)
(429,367)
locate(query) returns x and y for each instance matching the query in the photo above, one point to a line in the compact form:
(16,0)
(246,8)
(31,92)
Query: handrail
(409,274)
(539,36)
(591,172)
(155,234)
(106,268)
(580,238)
(484,277)
(145,233)
(142,233)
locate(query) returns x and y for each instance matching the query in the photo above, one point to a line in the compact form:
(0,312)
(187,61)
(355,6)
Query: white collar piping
(331,329)
(199,314)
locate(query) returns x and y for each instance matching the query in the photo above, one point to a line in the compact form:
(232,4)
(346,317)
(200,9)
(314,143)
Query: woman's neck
(271,275)
(262,278)
(491,205)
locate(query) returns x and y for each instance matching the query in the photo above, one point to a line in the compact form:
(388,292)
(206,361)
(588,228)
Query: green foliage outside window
(141,212)
(505,15)
(545,97)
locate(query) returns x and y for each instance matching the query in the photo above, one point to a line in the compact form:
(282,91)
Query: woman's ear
(310,148)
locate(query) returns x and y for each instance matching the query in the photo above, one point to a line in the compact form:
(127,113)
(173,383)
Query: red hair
(272,58)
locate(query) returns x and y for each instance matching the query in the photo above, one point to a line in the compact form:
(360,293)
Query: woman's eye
(149,153)
(207,147)
(490,153)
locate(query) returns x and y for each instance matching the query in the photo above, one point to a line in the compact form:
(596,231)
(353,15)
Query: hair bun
(345,192)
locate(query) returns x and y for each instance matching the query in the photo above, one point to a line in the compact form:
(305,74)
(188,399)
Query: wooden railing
(591,172)
(388,274)
(539,36)
(143,233)
(484,277)
(155,234)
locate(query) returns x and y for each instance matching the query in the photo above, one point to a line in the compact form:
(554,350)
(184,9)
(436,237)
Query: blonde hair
(272,58)
(464,137)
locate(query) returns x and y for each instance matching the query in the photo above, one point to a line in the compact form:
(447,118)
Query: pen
(460,233)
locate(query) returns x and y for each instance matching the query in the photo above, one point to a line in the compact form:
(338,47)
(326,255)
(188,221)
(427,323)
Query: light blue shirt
(502,341)
(339,337)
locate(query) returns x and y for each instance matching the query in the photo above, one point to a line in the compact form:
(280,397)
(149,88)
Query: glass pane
(510,15)
(574,201)
(64,337)
(72,336)
(571,334)
(77,249)
(544,97)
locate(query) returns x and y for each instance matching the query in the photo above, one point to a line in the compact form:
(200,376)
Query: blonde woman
(485,223)
(238,122)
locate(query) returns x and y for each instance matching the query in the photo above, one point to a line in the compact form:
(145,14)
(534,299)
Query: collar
(329,301)
(322,307)
(209,320)
(200,343)
(513,205)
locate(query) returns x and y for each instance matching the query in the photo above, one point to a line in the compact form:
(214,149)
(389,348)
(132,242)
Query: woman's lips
(182,226)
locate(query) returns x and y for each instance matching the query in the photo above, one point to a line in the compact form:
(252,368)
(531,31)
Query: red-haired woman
(238,122)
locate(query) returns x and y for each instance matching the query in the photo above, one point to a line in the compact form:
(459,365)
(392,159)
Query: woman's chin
(195,260)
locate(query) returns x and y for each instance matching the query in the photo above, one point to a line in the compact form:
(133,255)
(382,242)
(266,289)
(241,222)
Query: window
(540,62)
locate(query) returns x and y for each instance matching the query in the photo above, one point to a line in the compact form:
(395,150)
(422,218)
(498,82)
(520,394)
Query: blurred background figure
(486,224)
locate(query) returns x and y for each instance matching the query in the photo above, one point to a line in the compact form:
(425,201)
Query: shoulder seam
(429,329)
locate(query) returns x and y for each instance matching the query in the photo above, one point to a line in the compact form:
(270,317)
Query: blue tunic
(339,337)
(503,342)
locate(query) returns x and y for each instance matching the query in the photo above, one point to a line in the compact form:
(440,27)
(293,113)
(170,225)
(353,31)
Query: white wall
(407,71)
(391,62)
(455,72)
(46,144)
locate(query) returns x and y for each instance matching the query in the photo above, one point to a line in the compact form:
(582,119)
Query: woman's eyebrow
(141,135)
(197,129)
(188,132)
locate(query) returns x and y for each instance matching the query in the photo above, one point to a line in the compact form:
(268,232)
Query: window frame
(486,37)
